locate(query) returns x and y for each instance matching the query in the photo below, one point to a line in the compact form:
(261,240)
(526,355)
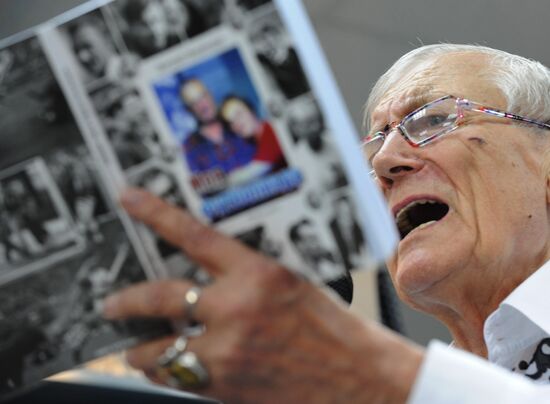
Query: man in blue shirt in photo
(212,148)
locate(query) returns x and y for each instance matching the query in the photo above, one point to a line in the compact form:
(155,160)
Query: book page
(63,247)
(207,104)
(212,105)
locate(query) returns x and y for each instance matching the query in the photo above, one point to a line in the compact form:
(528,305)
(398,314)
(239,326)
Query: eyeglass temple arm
(479,108)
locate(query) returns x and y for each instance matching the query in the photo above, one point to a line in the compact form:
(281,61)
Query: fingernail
(110,307)
(132,197)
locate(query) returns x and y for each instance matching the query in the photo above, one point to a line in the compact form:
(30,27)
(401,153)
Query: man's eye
(435,120)
(426,125)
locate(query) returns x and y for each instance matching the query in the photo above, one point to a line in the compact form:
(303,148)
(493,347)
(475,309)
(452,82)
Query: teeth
(402,218)
(403,212)
(403,222)
(424,225)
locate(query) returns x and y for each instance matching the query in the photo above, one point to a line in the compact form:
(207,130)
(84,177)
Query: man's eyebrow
(410,104)
(417,101)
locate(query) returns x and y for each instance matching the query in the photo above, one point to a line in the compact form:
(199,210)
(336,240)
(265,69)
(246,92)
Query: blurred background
(362,38)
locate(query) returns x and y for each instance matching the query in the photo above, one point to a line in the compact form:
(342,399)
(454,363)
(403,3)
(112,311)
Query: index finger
(216,252)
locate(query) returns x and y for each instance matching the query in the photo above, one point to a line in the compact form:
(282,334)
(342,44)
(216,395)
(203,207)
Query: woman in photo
(241,118)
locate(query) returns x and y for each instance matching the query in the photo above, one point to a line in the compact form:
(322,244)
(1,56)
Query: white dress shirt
(517,335)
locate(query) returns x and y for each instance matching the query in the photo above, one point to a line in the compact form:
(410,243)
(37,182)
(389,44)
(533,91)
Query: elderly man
(469,186)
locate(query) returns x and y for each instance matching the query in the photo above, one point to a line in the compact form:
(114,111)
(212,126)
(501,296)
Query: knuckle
(273,276)
(198,237)
(242,312)
(232,356)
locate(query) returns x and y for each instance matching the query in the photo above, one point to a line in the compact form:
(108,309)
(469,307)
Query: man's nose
(396,159)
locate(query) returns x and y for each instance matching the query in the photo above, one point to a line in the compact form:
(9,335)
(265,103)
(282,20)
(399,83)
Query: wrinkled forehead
(464,75)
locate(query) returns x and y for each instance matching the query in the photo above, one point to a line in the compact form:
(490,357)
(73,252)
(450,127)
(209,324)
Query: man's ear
(546,172)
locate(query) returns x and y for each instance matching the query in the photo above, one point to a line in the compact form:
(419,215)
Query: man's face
(16,188)
(177,15)
(199,100)
(489,172)
(92,49)
(305,120)
(155,18)
(308,242)
(270,42)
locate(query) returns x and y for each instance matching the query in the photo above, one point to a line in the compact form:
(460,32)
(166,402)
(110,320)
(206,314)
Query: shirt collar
(522,318)
(531,298)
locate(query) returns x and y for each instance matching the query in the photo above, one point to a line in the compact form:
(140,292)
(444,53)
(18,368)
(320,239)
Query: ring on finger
(187,372)
(173,351)
(190,301)
(180,368)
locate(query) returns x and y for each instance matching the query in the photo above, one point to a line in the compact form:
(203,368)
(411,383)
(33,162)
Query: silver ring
(173,351)
(190,300)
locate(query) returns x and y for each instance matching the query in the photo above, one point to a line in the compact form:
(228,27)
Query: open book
(224,107)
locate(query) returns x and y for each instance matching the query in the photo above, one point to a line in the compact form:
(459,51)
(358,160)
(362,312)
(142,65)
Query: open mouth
(419,214)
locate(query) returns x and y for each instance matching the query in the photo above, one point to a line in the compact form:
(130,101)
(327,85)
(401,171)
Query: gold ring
(186,371)
(173,351)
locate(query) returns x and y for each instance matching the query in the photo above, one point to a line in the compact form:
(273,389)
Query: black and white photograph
(277,56)
(55,319)
(336,176)
(159,179)
(60,235)
(306,123)
(332,176)
(98,50)
(76,176)
(152,26)
(203,103)
(6,61)
(252,4)
(35,221)
(258,240)
(212,12)
(16,61)
(346,232)
(124,118)
(318,258)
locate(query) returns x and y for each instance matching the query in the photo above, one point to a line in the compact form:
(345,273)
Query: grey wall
(363,37)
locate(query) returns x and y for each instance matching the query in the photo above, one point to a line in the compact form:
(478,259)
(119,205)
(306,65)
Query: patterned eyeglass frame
(462,104)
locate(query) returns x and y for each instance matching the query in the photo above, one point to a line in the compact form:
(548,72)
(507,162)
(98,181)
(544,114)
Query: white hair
(525,83)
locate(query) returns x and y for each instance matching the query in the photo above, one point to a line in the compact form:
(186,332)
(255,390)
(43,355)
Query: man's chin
(417,276)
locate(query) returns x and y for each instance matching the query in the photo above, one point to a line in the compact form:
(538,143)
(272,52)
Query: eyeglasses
(433,120)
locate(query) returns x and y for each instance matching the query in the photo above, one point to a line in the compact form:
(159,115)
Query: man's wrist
(392,366)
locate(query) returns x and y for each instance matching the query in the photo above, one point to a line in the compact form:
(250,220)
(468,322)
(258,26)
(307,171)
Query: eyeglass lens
(420,127)
(431,121)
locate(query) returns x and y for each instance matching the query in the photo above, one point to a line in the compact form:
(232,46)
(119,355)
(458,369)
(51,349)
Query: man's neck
(465,308)
(213,131)
(468,335)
